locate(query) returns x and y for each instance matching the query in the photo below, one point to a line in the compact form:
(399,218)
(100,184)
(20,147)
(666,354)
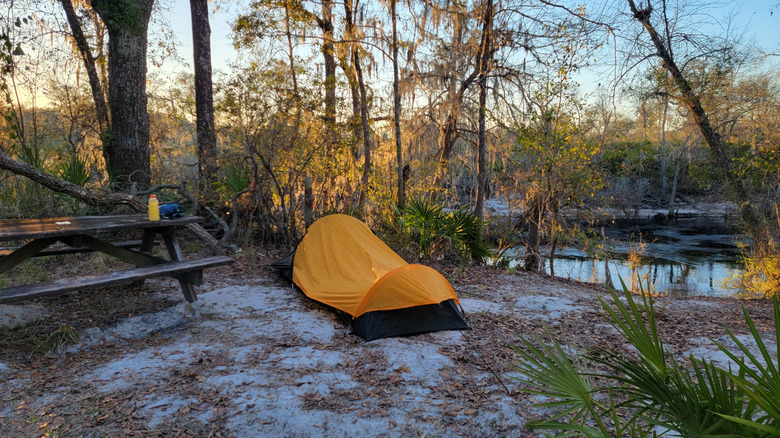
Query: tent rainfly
(341,263)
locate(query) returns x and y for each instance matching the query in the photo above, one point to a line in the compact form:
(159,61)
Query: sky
(222,50)
(760,18)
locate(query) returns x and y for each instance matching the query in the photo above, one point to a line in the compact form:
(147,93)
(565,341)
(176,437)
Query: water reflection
(708,278)
(685,258)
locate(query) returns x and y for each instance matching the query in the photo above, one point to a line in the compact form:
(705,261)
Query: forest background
(409,115)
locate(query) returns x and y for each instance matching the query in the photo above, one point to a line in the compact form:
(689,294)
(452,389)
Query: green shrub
(759,377)
(33,157)
(233,180)
(76,171)
(648,390)
(465,231)
(702,175)
(428,225)
(623,158)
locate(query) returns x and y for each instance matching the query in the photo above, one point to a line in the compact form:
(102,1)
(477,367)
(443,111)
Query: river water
(687,257)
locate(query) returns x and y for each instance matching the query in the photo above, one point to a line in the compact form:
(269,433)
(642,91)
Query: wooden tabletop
(23,229)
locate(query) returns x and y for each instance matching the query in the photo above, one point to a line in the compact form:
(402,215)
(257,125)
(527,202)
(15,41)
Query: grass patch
(58,340)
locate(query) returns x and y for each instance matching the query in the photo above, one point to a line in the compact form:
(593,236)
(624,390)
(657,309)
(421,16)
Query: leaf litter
(254,357)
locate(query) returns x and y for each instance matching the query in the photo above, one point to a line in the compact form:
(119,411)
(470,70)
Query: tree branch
(91,198)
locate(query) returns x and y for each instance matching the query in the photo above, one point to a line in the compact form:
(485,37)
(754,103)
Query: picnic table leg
(147,244)
(25,252)
(147,241)
(174,253)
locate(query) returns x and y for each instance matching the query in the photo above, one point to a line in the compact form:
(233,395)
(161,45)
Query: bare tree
(95,84)
(663,44)
(350,11)
(256,25)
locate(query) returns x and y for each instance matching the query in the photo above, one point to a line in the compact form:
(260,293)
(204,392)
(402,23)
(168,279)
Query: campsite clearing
(254,357)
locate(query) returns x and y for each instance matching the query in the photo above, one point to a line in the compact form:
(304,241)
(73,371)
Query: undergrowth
(646,391)
(435,230)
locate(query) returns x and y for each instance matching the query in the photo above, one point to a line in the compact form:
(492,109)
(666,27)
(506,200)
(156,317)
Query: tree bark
(664,153)
(98,92)
(61,186)
(204,95)
(448,143)
(354,91)
(326,24)
(674,189)
(401,193)
(127,150)
(486,51)
(535,211)
(366,132)
(308,202)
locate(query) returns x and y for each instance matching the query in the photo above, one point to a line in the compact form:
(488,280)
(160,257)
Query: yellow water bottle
(154,208)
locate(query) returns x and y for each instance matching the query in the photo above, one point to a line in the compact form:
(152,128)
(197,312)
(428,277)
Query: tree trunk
(607,273)
(330,72)
(448,144)
(98,92)
(308,202)
(366,132)
(532,260)
(401,193)
(749,215)
(364,180)
(291,53)
(61,186)
(674,189)
(204,95)
(354,92)
(664,153)
(451,126)
(486,51)
(88,197)
(127,150)
(553,248)
(331,137)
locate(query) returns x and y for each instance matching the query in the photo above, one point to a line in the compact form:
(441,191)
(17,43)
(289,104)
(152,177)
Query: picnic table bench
(85,233)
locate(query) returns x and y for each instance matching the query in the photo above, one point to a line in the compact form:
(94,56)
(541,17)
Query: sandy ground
(255,358)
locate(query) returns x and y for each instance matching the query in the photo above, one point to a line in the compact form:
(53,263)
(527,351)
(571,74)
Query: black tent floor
(389,323)
(410,321)
(285,266)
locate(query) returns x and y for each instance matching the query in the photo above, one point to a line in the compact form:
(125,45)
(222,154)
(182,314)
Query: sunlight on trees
(347,107)
(457,130)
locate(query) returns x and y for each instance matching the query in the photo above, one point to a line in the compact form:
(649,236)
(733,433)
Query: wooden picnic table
(87,233)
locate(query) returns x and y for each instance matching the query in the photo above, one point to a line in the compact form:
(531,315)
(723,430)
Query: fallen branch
(99,199)
(61,186)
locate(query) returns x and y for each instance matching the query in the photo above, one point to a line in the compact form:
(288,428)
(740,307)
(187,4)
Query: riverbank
(700,208)
(696,251)
(254,357)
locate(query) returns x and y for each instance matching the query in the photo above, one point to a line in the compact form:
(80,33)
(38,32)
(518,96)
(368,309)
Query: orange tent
(342,264)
